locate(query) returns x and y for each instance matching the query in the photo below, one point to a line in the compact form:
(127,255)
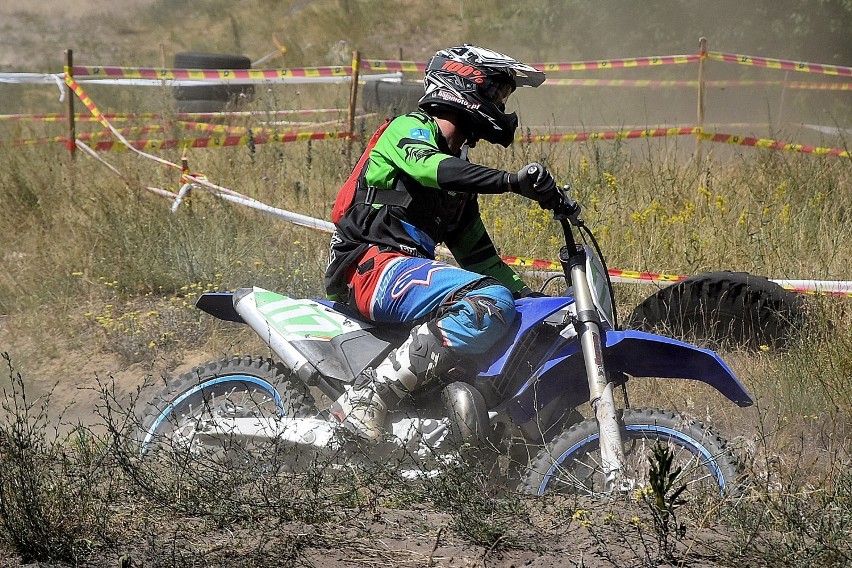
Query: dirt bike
(523,393)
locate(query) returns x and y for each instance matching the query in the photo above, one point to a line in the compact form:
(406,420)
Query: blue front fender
(633,353)
(641,354)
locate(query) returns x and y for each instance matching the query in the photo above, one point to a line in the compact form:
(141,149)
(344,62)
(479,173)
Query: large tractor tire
(724,309)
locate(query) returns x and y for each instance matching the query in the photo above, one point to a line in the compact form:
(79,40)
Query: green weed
(55,494)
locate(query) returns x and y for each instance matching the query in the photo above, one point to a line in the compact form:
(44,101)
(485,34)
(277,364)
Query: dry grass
(137,268)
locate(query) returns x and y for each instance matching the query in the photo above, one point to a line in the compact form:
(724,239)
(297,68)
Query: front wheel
(571,462)
(182,415)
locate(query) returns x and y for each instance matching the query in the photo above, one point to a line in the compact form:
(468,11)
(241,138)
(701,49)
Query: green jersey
(413,194)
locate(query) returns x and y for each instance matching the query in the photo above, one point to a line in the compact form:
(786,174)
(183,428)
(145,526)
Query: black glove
(533,181)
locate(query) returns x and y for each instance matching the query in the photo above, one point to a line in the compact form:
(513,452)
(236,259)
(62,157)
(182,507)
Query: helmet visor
(498,92)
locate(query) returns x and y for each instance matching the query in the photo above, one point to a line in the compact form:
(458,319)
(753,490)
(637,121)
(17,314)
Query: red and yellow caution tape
(389,66)
(819,292)
(646,83)
(262,138)
(620,275)
(683,131)
(87,102)
(826,288)
(609,135)
(785,64)
(152,128)
(90,104)
(36,141)
(118,117)
(819,86)
(533,263)
(619,63)
(59,117)
(228,131)
(91,72)
(101,134)
(640,83)
(771,144)
(218,141)
(386,65)
(211,142)
(635,276)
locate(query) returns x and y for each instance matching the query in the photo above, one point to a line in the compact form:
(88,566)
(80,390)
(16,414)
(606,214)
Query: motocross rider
(417,189)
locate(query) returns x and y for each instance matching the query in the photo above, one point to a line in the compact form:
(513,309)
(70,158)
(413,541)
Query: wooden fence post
(353,95)
(780,117)
(71,142)
(702,52)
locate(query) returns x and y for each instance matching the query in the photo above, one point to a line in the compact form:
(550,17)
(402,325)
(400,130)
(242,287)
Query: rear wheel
(571,463)
(182,416)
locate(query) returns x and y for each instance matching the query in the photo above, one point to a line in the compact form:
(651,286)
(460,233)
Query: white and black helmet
(475,82)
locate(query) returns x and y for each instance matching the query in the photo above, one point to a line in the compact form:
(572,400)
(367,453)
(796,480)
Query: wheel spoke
(696,480)
(565,478)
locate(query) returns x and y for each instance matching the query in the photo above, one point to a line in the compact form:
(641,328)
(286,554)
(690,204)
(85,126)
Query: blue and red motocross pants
(470,311)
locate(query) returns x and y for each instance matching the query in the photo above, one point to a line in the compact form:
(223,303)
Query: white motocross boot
(363,406)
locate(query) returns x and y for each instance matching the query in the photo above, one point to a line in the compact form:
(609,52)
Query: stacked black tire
(391,98)
(211,98)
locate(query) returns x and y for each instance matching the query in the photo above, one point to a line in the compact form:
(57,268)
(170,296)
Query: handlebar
(567,209)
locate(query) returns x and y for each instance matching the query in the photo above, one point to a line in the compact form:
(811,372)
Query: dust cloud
(32,36)
(798,30)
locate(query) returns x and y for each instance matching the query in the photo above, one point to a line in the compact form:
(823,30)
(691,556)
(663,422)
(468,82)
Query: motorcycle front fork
(600,388)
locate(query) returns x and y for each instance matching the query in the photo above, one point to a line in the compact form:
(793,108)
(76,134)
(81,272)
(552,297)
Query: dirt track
(544,535)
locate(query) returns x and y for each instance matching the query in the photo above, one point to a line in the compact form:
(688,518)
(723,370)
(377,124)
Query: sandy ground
(393,537)
(33,35)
